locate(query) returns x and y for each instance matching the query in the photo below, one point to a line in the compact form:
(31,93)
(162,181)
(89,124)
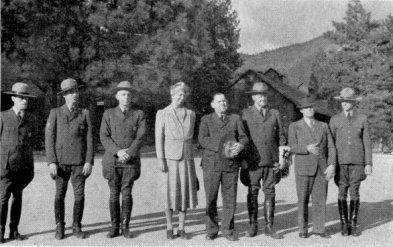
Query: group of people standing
(229,141)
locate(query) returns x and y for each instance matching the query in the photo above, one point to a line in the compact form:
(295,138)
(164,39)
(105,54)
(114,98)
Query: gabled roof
(292,94)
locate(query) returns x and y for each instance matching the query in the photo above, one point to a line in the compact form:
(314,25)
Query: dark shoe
(15,235)
(269,206)
(252,231)
(322,234)
(353,215)
(211,236)
(303,235)
(59,231)
(126,232)
(2,231)
(114,232)
(77,232)
(230,237)
(181,234)
(169,234)
(343,211)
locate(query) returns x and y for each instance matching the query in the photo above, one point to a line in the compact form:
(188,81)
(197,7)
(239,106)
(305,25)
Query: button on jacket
(16,144)
(68,137)
(119,131)
(265,134)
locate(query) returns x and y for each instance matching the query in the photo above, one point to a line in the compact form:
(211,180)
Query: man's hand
(329,172)
(237,148)
(53,170)
(162,165)
(313,148)
(368,169)
(123,155)
(87,168)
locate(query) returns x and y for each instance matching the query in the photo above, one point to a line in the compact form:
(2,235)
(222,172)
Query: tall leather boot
(353,216)
(78,214)
(114,209)
(59,217)
(2,231)
(252,206)
(269,206)
(16,209)
(126,216)
(343,211)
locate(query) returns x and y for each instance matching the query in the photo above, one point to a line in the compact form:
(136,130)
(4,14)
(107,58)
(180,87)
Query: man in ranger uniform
(122,131)
(70,154)
(17,128)
(351,135)
(264,129)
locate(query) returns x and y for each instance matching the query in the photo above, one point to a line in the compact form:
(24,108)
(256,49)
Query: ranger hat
(305,103)
(347,94)
(258,88)
(124,85)
(68,85)
(20,89)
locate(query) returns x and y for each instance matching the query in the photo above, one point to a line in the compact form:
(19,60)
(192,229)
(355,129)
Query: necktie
(19,116)
(222,117)
(349,116)
(263,112)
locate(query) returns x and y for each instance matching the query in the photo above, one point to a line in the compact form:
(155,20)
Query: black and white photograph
(196,123)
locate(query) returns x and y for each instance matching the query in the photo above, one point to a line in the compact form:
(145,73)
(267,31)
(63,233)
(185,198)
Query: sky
(269,24)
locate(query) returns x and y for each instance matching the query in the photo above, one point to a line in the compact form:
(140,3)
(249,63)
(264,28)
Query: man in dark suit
(222,137)
(70,155)
(351,134)
(122,131)
(265,132)
(17,127)
(315,161)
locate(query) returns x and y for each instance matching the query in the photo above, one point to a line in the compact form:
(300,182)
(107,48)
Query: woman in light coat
(174,131)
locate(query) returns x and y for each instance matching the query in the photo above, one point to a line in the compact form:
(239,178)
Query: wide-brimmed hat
(124,85)
(347,94)
(259,88)
(20,89)
(68,85)
(305,103)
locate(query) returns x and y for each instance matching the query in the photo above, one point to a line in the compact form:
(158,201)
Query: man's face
(124,97)
(72,97)
(260,100)
(20,102)
(308,112)
(347,105)
(219,104)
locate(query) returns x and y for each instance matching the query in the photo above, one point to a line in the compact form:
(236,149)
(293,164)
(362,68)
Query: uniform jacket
(352,139)
(16,144)
(299,136)
(119,131)
(265,135)
(173,135)
(213,133)
(68,137)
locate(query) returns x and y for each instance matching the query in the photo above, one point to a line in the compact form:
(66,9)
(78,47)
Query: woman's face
(178,98)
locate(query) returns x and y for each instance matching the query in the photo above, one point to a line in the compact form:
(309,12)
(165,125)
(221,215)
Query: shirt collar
(17,111)
(309,121)
(348,112)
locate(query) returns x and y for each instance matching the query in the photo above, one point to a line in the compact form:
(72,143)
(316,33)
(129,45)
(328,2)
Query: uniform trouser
(316,187)
(64,174)
(228,181)
(121,181)
(13,184)
(349,178)
(265,173)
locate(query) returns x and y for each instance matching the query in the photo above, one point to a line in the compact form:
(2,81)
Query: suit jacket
(213,133)
(16,144)
(173,135)
(265,135)
(300,135)
(119,131)
(352,139)
(68,137)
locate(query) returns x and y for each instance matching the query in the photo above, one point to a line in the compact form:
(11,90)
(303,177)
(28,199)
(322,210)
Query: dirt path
(148,222)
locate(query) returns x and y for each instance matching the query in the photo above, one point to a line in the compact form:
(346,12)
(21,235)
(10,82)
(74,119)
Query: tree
(363,60)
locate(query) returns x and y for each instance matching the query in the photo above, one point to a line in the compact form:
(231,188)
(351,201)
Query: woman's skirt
(181,185)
